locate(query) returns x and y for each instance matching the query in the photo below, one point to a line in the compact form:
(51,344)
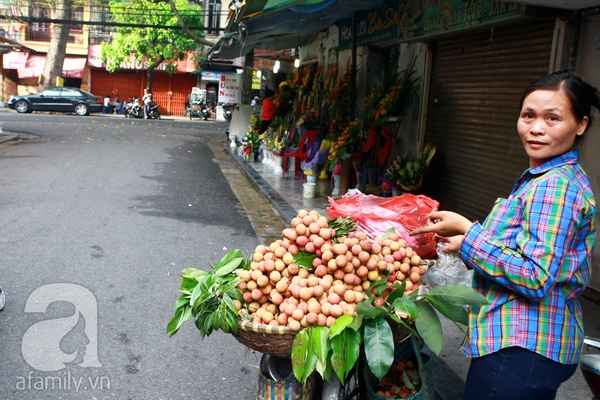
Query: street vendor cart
(193,105)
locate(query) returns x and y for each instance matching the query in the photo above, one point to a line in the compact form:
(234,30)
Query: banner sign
(414,19)
(230,88)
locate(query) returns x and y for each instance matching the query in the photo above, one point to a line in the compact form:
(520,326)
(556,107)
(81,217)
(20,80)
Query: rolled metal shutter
(476,84)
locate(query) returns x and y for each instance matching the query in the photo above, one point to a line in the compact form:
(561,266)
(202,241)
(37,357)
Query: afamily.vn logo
(50,344)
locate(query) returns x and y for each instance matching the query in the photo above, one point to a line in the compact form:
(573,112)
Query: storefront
(476,83)
(169,91)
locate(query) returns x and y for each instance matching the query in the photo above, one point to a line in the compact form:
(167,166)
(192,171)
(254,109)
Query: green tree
(156,45)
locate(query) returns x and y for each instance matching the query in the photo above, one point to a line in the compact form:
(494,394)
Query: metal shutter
(476,84)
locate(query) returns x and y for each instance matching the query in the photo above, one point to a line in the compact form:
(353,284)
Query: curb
(8,137)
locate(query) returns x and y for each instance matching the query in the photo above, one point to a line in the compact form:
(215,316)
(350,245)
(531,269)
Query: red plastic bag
(376,215)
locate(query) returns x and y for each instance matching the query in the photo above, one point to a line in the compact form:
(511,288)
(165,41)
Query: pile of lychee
(277,290)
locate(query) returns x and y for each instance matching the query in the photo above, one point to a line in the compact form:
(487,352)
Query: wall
(588,59)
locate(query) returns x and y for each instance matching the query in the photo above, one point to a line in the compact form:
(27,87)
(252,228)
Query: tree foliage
(151,45)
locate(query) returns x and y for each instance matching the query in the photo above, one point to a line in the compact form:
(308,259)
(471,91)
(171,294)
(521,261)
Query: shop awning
(282,24)
(32,65)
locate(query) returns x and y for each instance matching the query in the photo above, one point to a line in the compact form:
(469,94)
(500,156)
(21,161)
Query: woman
(269,110)
(532,255)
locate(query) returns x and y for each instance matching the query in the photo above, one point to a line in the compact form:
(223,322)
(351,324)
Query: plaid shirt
(532,259)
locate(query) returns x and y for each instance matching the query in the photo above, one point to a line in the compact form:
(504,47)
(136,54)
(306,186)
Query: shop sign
(421,18)
(256,82)
(377,25)
(230,88)
(209,76)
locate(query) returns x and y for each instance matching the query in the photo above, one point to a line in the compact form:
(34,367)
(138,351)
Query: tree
(59,35)
(153,45)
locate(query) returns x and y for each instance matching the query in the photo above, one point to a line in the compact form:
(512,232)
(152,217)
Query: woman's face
(547,125)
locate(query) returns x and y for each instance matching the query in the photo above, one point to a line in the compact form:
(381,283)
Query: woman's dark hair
(269,93)
(581,95)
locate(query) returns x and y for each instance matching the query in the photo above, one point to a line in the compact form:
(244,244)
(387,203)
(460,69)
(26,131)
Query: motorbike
(590,366)
(205,112)
(227,112)
(135,111)
(154,112)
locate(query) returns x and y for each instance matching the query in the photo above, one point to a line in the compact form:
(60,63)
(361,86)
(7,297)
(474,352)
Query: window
(39,30)
(213,16)
(52,92)
(70,93)
(76,15)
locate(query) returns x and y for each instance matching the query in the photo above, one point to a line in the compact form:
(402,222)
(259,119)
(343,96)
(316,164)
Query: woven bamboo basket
(273,340)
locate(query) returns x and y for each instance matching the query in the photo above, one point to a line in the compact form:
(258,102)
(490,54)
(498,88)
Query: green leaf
(379,346)
(300,348)
(340,324)
(338,356)
(352,342)
(196,294)
(181,315)
(381,285)
(406,306)
(229,304)
(311,361)
(228,268)
(319,336)
(407,381)
(304,260)
(397,293)
(389,232)
(227,258)
(367,310)
(182,301)
(429,327)
(345,351)
(453,312)
(458,294)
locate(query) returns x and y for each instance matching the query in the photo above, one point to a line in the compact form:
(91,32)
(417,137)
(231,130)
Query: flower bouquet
(409,173)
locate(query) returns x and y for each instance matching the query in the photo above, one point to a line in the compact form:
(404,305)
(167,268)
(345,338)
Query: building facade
(28,24)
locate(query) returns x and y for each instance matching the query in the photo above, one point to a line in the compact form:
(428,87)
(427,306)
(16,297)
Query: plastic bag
(376,215)
(448,270)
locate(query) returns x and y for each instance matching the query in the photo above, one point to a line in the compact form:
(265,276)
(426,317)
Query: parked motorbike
(590,366)
(135,111)
(227,112)
(205,112)
(154,112)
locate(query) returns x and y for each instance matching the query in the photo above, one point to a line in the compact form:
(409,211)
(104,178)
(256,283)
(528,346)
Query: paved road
(98,216)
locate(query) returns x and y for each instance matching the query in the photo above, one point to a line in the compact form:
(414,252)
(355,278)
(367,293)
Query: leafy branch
(209,296)
(336,349)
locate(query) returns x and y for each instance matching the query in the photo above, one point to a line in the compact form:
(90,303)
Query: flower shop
(317,129)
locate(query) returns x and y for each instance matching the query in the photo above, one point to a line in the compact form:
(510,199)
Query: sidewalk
(450,368)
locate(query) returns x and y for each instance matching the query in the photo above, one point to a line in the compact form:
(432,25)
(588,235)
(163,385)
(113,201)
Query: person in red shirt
(269,110)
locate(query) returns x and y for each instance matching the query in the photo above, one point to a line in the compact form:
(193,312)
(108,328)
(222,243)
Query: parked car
(59,99)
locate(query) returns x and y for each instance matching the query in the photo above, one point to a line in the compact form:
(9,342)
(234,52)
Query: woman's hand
(454,243)
(445,224)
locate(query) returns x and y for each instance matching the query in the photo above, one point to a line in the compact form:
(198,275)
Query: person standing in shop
(532,256)
(269,110)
